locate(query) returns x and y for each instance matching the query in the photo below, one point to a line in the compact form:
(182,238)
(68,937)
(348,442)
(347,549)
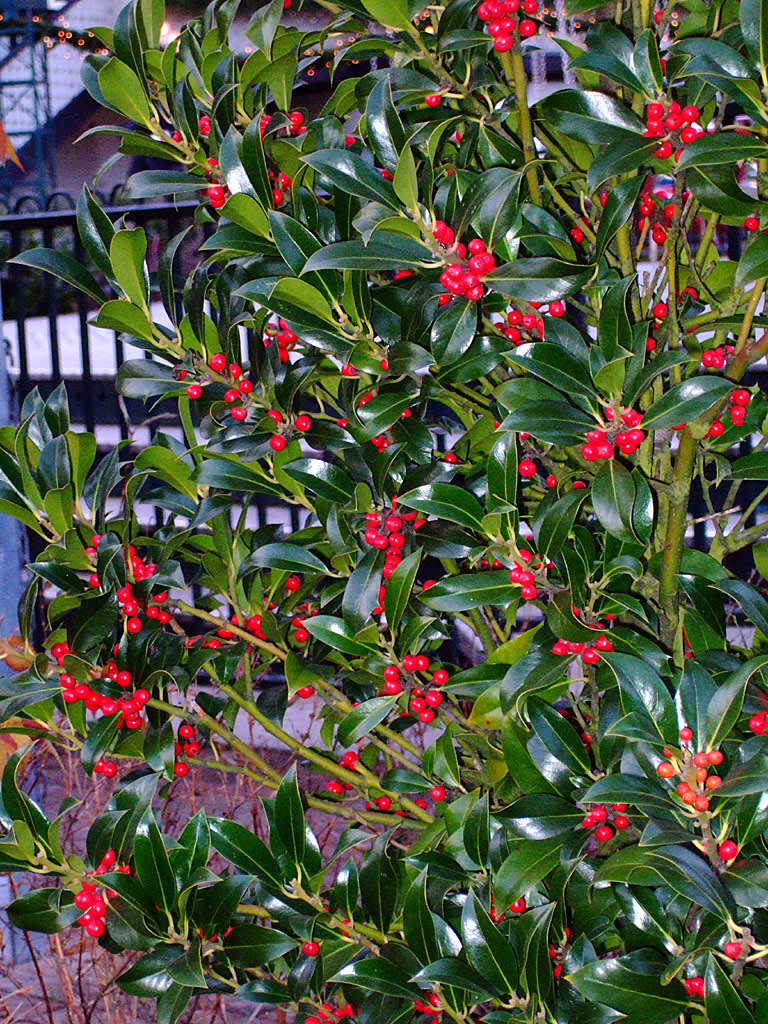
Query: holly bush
(489,353)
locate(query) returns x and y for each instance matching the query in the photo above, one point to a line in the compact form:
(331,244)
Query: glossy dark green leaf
(753,604)
(385,251)
(381,412)
(153,868)
(453,331)
(380,882)
(149,977)
(338,635)
(470,590)
(43,910)
(631,984)
(554,527)
(245,850)
(360,720)
(289,816)
(377,975)
(418,926)
(642,690)
(541,816)
(589,116)
(618,209)
(63,266)
(252,945)
(558,737)
(351,173)
(385,129)
(750,467)
(289,557)
(172,1003)
(487,950)
(722,1001)
(725,706)
(458,974)
(538,279)
(325,479)
(445,501)
(685,401)
(476,835)
(399,588)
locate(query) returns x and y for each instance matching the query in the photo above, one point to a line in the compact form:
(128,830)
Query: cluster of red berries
(286,339)
(590,655)
(517,906)
(204,125)
(422,703)
(190,748)
(433,1005)
(650,209)
(715,358)
(597,445)
(693,769)
(326,1013)
(240,389)
(280,185)
(598,819)
(252,624)
(384,532)
(130,606)
(557,954)
(737,411)
(278,442)
(90,900)
(129,707)
(464,278)
(296,126)
(520,574)
(498,14)
(674,124)
(524,327)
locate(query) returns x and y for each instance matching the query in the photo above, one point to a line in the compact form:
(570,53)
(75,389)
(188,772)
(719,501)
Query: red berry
(305,692)
(194,391)
(621,822)
(686,734)
(434,99)
(437,793)
(527,469)
(217,362)
(666,770)
(603,833)
(752,223)
(728,850)
(303,422)
(732,950)
(311,948)
(518,906)
(180,769)
(133,625)
(277,442)
(757,723)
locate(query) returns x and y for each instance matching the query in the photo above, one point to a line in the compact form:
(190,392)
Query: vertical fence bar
(51,301)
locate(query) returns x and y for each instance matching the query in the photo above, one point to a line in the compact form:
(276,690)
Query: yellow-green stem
(514,70)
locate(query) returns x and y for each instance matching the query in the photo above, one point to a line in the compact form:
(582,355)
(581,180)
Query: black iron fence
(49,340)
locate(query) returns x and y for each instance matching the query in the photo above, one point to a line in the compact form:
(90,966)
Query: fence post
(11,534)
